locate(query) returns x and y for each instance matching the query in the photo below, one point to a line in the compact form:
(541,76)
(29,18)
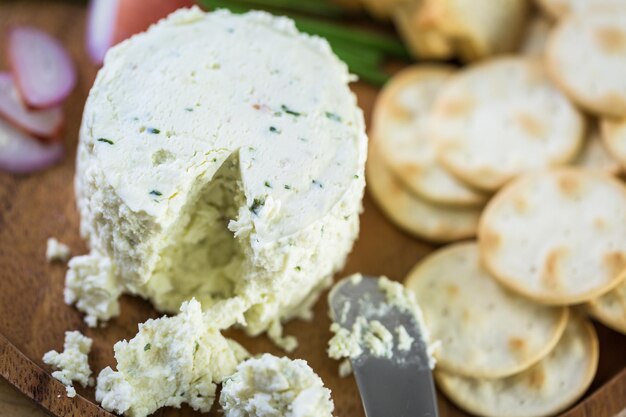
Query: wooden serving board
(33,208)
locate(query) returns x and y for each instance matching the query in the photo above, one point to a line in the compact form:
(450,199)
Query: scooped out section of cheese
(171,361)
(199,257)
(269,386)
(221,157)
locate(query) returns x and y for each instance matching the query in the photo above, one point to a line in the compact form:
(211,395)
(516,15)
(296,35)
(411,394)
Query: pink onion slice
(101,19)
(43,70)
(45,124)
(21,154)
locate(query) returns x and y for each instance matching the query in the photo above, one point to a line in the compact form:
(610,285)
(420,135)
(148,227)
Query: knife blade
(400,386)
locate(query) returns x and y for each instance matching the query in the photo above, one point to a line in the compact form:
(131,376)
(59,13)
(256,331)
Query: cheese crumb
(269,386)
(171,361)
(56,251)
(345,368)
(72,364)
(90,282)
(404,339)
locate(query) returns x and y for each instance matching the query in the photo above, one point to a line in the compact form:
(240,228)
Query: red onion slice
(112,21)
(44,124)
(101,19)
(43,70)
(21,154)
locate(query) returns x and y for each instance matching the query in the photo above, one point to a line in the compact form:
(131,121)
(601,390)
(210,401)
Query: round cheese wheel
(221,157)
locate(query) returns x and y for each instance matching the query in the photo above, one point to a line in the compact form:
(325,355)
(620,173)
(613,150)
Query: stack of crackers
(525,154)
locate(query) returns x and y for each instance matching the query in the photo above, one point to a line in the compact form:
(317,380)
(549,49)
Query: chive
(298,268)
(267,184)
(147,347)
(289,111)
(105,140)
(287,187)
(157,193)
(274,129)
(361,37)
(319,184)
(154,130)
(257,205)
(333,116)
(313,7)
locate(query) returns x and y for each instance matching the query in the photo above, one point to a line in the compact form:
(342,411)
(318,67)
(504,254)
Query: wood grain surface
(34,318)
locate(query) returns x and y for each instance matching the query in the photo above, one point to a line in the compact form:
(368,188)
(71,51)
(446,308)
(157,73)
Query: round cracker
(414,215)
(502,118)
(594,44)
(536,36)
(558,237)
(561,8)
(485,330)
(614,138)
(550,386)
(401,123)
(595,155)
(610,308)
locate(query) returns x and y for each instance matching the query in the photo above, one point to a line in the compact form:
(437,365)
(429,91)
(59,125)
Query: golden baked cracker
(485,330)
(412,214)
(545,389)
(595,155)
(401,124)
(610,308)
(558,237)
(586,57)
(502,118)
(613,133)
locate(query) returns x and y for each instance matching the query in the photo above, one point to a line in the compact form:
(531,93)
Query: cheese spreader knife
(398,387)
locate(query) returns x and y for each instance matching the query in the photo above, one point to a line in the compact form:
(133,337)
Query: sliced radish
(45,124)
(21,154)
(112,21)
(100,27)
(43,70)
(136,16)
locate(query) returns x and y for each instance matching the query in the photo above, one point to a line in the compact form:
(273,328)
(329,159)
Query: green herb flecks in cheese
(269,386)
(217,231)
(171,361)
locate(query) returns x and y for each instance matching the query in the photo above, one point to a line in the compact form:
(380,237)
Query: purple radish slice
(44,124)
(21,154)
(100,28)
(43,70)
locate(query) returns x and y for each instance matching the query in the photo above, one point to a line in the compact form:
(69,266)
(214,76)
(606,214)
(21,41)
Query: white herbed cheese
(221,157)
(72,364)
(171,361)
(372,336)
(56,251)
(269,386)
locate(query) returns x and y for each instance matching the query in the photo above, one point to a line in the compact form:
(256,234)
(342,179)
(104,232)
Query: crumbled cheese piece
(269,386)
(70,390)
(56,251)
(345,368)
(378,339)
(275,334)
(91,283)
(404,338)
(171,361)
(72,364)
(372,336)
